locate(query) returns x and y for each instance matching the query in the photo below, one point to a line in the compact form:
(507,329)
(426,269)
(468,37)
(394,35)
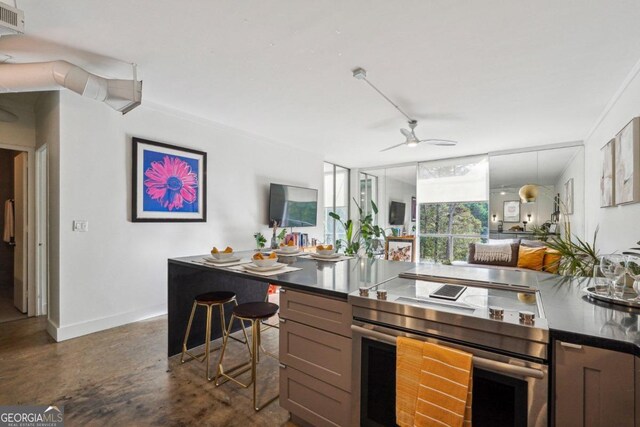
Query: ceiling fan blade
(406,133)
(393,146)
(440,142)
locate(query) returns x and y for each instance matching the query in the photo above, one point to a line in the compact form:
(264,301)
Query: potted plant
(361,237)
(260,240)
(578,257)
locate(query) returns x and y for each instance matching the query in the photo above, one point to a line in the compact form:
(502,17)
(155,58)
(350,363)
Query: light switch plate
(81,225)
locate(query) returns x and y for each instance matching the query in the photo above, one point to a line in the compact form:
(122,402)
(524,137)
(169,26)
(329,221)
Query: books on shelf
(299,239)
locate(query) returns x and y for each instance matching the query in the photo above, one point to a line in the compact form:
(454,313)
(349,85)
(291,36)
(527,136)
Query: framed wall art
(169,183)
(607,181)
(511,211)
(568,196)
(626,161)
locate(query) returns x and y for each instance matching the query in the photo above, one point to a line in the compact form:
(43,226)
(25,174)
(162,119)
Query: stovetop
(500,314)
(474,301)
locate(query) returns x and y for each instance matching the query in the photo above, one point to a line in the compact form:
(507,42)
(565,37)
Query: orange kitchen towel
(433,385)
(408,366)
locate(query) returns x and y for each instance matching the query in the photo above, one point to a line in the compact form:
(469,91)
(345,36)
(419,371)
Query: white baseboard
(83,328)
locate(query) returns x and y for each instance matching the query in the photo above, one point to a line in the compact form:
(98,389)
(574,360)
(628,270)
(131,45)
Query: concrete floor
(8,312)
(122,377)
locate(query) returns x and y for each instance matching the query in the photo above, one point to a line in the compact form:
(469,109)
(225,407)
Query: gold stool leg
(188,331)
(254,371)
(207,344)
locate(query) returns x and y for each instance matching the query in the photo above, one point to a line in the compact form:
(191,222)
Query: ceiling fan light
(412,144)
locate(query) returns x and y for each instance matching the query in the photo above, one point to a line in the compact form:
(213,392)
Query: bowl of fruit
(262,260)
(225,254)
(289,247)
(325,250)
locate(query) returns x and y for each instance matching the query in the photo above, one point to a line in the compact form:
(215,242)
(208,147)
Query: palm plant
(578,257)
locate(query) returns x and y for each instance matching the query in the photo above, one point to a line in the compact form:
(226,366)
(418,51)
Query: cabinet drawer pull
(282,366)
(283,320)
(570,345)
(283,291)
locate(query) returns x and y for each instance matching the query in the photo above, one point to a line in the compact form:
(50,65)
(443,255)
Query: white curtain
(462,179)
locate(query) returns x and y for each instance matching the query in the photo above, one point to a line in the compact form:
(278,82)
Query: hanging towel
(8,232)
(444,385)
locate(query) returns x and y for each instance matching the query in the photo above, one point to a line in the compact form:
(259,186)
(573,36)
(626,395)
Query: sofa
(514,254)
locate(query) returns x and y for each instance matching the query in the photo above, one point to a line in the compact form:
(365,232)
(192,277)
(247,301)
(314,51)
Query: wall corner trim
(633,73)
(96,325)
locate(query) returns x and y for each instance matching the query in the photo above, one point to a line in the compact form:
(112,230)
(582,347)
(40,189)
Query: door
(20,215)
(42,232)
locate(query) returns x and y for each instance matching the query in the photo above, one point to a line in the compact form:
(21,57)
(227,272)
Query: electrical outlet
(81,225)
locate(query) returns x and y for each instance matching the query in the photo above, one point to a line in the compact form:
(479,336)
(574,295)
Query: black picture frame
(167,209)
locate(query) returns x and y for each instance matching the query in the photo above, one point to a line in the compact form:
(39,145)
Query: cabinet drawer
(320,312)
(319,353)
(593,386)
(315,401)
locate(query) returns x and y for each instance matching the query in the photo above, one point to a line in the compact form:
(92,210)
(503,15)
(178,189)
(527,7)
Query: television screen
(293,206)
(396,213)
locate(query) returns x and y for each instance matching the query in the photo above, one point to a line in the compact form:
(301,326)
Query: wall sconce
(494,217)
(529,216)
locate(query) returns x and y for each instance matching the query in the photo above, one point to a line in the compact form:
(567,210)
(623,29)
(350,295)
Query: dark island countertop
(335,279)
(570,314)
(574,317)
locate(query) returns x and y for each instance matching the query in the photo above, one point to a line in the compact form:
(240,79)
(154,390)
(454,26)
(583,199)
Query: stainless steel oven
(510,376)
(507,391)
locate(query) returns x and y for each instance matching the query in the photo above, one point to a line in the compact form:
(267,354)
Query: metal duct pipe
(121,95)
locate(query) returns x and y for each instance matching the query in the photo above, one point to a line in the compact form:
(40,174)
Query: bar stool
(211,300)
(253,312)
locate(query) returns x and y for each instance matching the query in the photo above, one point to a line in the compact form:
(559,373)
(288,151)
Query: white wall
(21,133)
(619,226)
(397,191)
(117,271)
(575,169)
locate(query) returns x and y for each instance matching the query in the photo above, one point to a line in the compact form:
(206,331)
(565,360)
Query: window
(453,205)
(446,229)
(336,199)
(368,193)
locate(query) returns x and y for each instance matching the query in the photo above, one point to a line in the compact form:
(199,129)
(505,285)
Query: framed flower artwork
(169,183)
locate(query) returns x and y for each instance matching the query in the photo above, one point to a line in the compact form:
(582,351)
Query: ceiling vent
(11,20)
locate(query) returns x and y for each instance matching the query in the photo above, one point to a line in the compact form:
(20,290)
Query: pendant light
(528,193)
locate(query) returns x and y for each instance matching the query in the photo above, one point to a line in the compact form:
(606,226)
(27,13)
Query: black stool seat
(215,297)
(256,310)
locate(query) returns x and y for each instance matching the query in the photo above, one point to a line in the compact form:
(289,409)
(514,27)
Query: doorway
(14,244)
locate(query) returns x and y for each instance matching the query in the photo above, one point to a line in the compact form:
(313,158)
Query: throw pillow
(513,261)
(551,261)
(531,258)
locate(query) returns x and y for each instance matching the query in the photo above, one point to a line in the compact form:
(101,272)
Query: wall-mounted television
(396,213)
(293,206)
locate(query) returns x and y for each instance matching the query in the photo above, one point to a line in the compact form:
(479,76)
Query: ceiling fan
(411,139)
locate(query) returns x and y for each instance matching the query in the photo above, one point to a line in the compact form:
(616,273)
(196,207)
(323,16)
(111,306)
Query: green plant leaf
(334,216)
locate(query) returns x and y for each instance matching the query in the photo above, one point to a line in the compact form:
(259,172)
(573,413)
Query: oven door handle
(479,362)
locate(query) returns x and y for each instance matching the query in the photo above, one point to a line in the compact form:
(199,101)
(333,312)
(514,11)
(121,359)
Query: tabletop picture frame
(511,211)
(401,248)
(169,183)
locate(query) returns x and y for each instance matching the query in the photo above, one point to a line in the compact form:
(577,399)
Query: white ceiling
(492,74)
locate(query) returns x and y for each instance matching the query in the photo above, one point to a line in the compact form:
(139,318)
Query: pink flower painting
(171,183)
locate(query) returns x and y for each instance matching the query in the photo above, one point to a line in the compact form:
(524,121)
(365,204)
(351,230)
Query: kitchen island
(188,277)
(315,335)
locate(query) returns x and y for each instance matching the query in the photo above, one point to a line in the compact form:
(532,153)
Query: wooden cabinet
(593,386)
(315,358)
